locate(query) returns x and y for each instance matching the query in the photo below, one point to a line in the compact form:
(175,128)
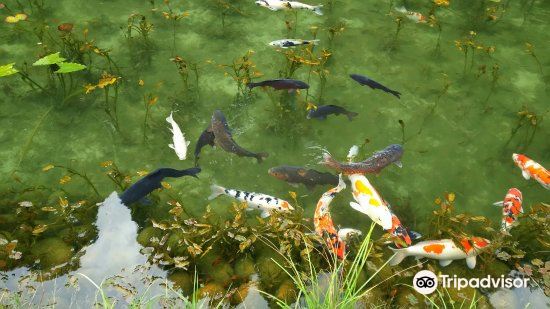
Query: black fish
(324,110)
(152,181)
(278,84)
(310,178)
(206,138)
(364,80)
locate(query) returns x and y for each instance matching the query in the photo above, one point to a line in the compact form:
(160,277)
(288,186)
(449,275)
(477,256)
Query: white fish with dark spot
(179,144)
(263,202)
(286,43)
(278,5)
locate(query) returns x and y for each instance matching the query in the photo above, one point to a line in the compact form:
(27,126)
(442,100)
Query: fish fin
(350,115)
(187,143)
(401,9)
(261,156)
(356,206)
(171,146)
(444,263)
(414,235)
(399,255)
(471,262)
(317,9)
(525,175)
(265,214)
(341,183)
(216,191)
(398,163)
(499,204)
(193,172)
(344,233)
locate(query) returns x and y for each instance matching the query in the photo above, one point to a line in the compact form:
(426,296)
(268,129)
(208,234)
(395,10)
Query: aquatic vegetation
(71,172)
(242,70)
(185,67)
(137,23)
(106,82)
(468,46)
(334,31)
(227,9)
(174,16)
(530,50)
(149,101)
(529,121)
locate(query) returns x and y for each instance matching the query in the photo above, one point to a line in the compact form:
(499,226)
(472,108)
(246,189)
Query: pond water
(462,113)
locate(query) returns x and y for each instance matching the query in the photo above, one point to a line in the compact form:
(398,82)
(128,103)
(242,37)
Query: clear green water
(456,140)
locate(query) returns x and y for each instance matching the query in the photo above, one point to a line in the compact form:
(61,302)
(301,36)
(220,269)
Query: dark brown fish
(279,84)
(373,165)
(367,81)
(310,178)
(224,139)
(322,111)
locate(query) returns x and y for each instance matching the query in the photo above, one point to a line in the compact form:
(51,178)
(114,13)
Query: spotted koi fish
(265,203)
(373,165)
(531,169)
(414,16)
(369,201)
(399,231)
(445,250)
(511,208)
(324,227)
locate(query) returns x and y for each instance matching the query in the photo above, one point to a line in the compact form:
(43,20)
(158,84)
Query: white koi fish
(414,16)
(443,250)
(369,201)
(265,203)
(179,144)
(286,43)
(277,5)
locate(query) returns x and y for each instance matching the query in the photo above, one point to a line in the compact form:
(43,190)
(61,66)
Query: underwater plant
(174,17)
(185,67)
(71,172)
(468,46)
(528,120)
(106,82)
(530,50)
(149,101)
(242,70)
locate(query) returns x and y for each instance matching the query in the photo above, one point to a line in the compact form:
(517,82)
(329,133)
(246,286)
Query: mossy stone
(52,251)
(144,237)
(287,292)
(244,268)
(182,280)
(212,290)
(240,294)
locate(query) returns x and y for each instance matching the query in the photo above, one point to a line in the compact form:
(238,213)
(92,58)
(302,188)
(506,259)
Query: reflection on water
(115,254)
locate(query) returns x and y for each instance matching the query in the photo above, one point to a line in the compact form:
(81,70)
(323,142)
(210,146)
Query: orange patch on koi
(435,248)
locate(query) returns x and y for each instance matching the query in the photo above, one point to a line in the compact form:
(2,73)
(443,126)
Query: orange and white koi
(324,227)
(531,169)
(265,203)
(444,250)
(369,201)
(511,208)
(399,231)
(414,16)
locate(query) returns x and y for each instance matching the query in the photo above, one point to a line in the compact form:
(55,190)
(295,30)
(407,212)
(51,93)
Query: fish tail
(314,42)
(170,118)
(399,255)
(261,156)
(193,171)
(216,191)
(396,93)
(351,115)
(252,85)
(317,9)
